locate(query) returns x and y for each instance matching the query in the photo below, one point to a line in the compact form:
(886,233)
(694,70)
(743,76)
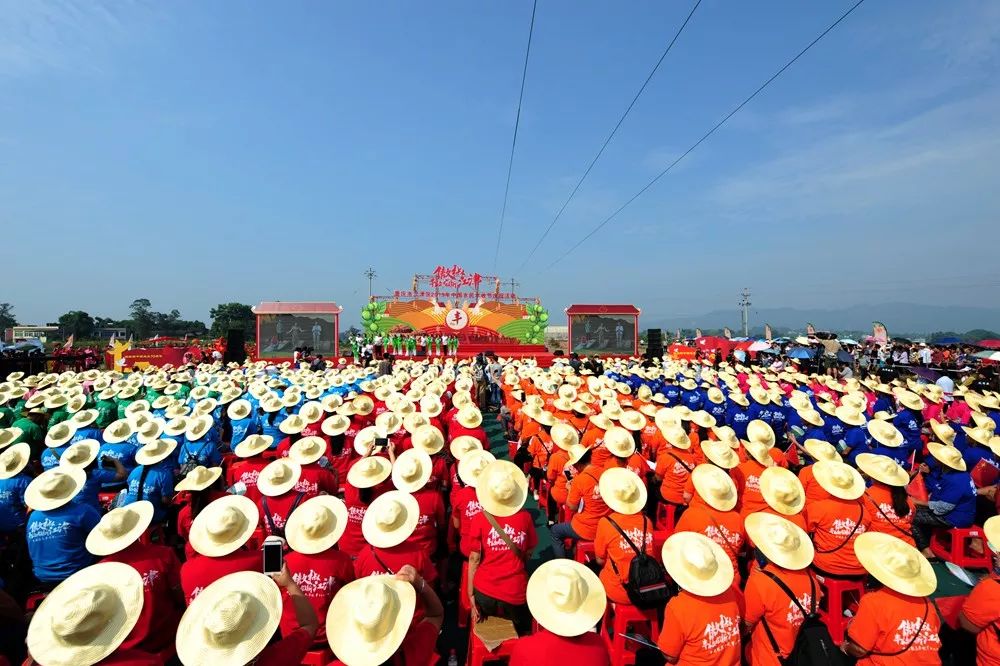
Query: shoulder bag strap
(724,539)
(791,595)
(268,517)
(380,562)
(674,456)
(887,519)
(503,535)
(849,536)
(627,540)
(916,635)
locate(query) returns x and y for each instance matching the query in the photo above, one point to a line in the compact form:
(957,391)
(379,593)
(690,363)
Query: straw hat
(335,425)
(9,435)
(811,416)
(782,490)
(363,405)
(759,452)
(882,468)
(224,526)
(469,417)
(230,622)
(839,479)
(293,425)
(80,454)
(307,450)
(979,434)
(428,438)
(632,420)
(149,431)
(368,619)
(759,431)
(316,525)
(738,398)
(675,436)
(462,445)
(566,597)
(87,616)
(727,435)
(991,528)
(909,400)
(60,434)
(53,488)
(471,466)
(849,415)
(720,454)
(702,419)
(253,445)
(821,450)
(411,470)
(117,431)
(622,490)
(502,488)
(619,442)
(697,564)
(14,459)
(84,418)
(602,421)
(782,541)
(715,487)
(199,478)
(120,528)
(885,433)
(239,409)
(154,452)
(949,456)
(896,564)
(369,472)
(390,519)
(312,411)
(278,477)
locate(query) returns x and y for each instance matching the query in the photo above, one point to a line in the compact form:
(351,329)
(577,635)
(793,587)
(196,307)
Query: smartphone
(273,555)
(381,441)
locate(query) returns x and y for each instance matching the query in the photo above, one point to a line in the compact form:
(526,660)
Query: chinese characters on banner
(454,278)
(447,294)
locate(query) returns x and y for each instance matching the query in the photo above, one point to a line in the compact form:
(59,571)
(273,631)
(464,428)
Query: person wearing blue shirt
(779,419)
(883,402)
(672,393)
(978,449)
(690,395)
(909,420)
(57,527)
(50,457)
(13,482)
(952,495)
(832,426)
(812,425)
(101,472)
(269,425)
(855,437)
(198,452)
(242,420)
(715,405)
(737,414)
(153,478)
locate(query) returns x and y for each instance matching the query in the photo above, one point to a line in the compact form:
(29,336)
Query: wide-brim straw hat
(839,479)
(469,417)
(239,409)
(991,528)
(293,425)
(390,519)
(316,525)
(278,477)
(811,416)
(759,431)
(368,619)
(782,490)
(224,526)
(909,399)
(883,469)
(117,431)
(979,434)
(369,472)
(198,479)
(602,421)
(80,454)
(363,405)
(463,445)
(87,616)
(622,490)
(471,466)
(60,434)
(198,427)
(253,445)
(502,488)
(675,436)
(782,541)
(566,597)
(412,470)
(335,425)
(759,452)
(949,456)
(849,415)
(619,442)
(702,419)
(428,438)
(54,488)
(818,449)
(9,435)
(312,411)
(84,418)
(697,564)
(719,454)
(715,487)
(14,459)
(155,452)
(230,622)
(307,450)
(896,564)
(632,420)
(120,528)
(414,420)
(885,433)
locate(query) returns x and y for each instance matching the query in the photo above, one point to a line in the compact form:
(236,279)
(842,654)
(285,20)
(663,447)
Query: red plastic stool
(317,657)
(953,545)
(659,538)
(584,551)
(479,655)
(543,495)
(511,449)
(625,618)
(34,601)
(105,500)
(832,605)
(665,517)
(464,609)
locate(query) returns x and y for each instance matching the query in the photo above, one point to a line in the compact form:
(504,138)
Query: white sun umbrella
(759,345)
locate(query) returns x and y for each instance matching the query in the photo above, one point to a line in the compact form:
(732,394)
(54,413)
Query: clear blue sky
(199,152)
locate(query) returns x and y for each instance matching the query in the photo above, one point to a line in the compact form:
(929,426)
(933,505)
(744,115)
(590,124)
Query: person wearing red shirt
(202,485)
(316,475)
(247,469)
(116,539)
(366,480)
(278,496)
(387,527)
(410,474)
(468,421)
(465,501)
(218,536)
(497,575)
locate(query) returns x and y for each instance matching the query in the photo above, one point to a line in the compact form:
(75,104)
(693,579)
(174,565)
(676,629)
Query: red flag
(918,489)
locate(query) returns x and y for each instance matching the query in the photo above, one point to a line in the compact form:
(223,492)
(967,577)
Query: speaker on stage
(236,351)
(654,342)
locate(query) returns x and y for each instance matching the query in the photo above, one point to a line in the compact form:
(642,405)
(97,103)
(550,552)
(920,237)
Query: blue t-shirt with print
(779,421)
(159,484)
(12,510)
(243,428)
(673,395)
(908,423)
(718,411)
(123,452)
(692,400)
(50,457)
(56,540)
(738,418)
(857,439)
(834,428)
(89,432)
(955,488)
(201,452)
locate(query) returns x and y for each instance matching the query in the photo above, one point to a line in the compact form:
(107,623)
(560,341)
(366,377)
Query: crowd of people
(721,501)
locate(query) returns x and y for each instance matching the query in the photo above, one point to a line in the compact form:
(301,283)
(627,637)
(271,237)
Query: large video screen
(602,334)
(280,334)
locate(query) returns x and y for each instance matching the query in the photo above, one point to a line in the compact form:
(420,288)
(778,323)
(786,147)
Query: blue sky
(201,152)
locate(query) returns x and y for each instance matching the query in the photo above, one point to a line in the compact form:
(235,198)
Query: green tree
(7,318)
(77,323)
(143,320)
(226,316)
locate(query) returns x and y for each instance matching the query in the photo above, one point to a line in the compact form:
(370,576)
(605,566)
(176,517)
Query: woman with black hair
(891,510)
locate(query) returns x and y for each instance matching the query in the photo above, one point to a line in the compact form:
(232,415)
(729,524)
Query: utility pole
(513,286)
(745,305)
(371,275)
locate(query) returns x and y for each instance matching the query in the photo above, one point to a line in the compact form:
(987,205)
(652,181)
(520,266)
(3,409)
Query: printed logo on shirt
(355,514)
(637,537)
(306,486)
(249,477)
(753,483)
(724,537)
(278,520)
(926,640)
(679,469)
(314,585)
(844,527)
(473,509)
(423,519)
(46,529)
(721,634)
(889,512)
(740,417)
(150,577)
(494,541)
(794,616)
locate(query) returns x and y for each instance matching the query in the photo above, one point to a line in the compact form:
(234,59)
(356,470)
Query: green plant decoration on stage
(374,320)
(531,329)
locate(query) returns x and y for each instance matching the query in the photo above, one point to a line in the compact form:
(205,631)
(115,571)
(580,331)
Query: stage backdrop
(281,327)
(603,329)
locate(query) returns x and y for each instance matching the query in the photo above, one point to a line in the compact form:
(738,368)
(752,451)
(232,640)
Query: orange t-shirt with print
(746,476)
(674,467)
(765,600)
(884,518)
(723,527)
(982,608)
(578,421)
(652,441)
(888,621)
(814,491)
(610,546)
(584,488)
(530,429)
(557,480)
(702,631)
(832,525)
(635,464)
(541,449)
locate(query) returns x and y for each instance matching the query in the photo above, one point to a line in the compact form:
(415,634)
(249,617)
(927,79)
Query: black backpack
(647,586)
(813,645)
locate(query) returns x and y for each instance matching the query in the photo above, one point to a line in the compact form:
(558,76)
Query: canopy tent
(989,344)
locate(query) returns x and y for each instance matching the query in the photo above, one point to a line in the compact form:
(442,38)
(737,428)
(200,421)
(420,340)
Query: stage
(512,349)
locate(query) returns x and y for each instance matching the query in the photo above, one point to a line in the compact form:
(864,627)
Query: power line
(513,143)
(610,136)
(706,135)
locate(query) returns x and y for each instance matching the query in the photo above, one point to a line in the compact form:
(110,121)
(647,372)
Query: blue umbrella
(844,357)
(948,341)
(800,352)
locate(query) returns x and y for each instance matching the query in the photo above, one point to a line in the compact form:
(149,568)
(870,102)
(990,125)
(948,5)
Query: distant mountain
(899,318)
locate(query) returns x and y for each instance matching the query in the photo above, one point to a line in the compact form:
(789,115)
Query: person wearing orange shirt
(593,436)
(701,624)
(540,448)
(674,466)
(584,500)
(579,417)
(816,449)
(837,522)
(711,511)
(783,494)
(981,611)
(651,438)
(622,533)
(891,510)
(896,625)
(565,438)
(747,477)
(620,443)
(780,590)
(728,435)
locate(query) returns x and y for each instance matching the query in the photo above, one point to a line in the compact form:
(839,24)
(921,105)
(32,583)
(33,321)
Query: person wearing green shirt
(107,412)
(32,431)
